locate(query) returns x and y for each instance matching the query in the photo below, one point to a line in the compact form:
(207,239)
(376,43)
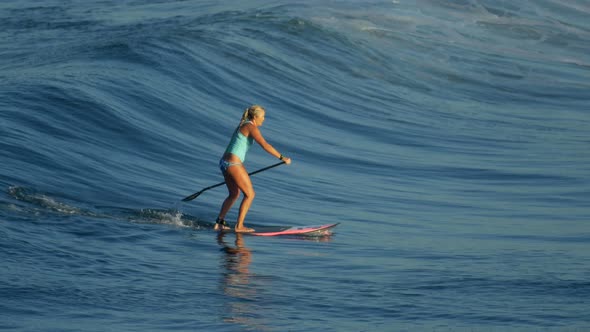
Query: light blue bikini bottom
(224,164)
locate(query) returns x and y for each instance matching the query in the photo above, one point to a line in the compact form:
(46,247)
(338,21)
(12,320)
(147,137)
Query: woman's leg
(232,197)
(241,179)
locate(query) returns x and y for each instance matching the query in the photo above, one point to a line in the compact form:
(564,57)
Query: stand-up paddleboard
(318,230)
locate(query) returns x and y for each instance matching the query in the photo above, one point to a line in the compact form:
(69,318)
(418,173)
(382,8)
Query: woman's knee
(249,194)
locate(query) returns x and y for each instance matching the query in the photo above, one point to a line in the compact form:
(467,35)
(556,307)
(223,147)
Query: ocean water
(449,138)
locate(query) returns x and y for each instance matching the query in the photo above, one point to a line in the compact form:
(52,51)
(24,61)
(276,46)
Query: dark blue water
(449,138)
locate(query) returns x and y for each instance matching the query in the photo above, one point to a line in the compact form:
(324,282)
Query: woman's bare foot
(244,230)
(221,225)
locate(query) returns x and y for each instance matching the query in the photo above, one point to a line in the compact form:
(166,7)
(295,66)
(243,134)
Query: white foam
(168,217)
(42,201)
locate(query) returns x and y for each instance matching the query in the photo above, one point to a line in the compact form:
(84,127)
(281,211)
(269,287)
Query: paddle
(195,195)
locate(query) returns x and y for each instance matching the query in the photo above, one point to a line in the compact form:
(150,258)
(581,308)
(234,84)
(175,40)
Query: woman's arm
(257,135)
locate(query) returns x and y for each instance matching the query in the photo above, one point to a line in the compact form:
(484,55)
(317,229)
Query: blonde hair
(250,113)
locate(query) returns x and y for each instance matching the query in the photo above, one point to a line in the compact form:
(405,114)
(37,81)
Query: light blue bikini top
(239,144)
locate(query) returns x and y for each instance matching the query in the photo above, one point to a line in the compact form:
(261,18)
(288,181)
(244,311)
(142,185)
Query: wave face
(450,139)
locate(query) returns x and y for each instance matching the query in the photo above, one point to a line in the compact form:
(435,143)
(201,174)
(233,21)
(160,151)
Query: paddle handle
(266,168)
(195,195)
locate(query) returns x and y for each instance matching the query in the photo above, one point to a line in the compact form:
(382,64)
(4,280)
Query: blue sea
(450,139)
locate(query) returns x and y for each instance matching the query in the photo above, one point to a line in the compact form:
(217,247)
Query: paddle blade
(191,197)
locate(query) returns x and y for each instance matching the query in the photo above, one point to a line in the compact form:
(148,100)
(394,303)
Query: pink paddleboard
(317,230)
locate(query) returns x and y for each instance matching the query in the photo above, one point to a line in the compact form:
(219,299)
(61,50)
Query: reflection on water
(242,288)
(237,284)
(236,262)
(324,237)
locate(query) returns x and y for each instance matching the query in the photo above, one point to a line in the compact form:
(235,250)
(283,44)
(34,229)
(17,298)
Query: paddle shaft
(195,195)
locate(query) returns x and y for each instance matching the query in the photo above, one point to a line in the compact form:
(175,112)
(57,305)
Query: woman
(234,172)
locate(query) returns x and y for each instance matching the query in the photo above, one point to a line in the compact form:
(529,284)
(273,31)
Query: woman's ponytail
(245,116)
(250,113)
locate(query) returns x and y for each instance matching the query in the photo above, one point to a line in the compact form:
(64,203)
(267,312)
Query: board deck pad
(315,230)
